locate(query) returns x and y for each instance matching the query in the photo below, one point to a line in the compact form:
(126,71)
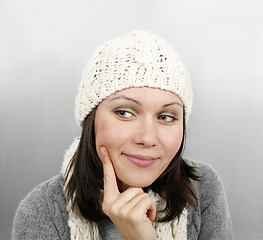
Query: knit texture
(139,59)
(43,215)
(80,228)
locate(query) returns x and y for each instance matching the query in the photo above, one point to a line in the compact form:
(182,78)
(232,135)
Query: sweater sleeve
(215,217)
(39,215)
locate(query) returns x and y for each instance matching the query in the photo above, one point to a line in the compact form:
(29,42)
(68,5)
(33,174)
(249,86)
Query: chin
(138,183)
(140,178)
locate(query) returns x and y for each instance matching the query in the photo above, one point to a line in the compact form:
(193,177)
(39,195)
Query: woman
(125,177)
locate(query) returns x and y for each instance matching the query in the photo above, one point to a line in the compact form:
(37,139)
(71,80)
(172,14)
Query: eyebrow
(172,103)
(127,98)
(140,104)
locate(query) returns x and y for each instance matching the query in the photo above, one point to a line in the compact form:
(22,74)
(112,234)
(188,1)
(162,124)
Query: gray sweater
(42,214)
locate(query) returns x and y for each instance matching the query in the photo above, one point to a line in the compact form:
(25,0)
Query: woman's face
(142,129)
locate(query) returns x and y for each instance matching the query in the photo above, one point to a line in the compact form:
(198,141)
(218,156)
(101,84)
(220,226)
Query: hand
(132,211)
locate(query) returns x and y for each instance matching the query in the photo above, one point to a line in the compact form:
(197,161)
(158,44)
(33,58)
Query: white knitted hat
(137,60)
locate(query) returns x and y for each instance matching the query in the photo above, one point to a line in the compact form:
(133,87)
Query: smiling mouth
(139,160)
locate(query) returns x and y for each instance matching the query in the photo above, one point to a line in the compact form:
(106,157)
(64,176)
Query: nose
(147,133)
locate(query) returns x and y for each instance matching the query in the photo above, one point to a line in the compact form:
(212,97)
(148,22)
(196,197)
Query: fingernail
(102,151)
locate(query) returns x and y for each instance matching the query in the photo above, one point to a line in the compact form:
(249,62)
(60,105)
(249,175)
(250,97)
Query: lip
(141,161)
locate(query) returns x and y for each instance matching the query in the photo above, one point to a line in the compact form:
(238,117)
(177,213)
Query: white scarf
(81,229)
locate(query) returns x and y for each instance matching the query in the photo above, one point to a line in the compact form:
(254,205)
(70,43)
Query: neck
(122,186)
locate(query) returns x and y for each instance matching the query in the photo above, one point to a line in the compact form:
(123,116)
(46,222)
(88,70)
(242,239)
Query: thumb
(110,182)
(102,155)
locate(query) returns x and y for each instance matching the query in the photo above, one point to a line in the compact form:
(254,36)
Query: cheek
(103,133)
(109,134)
(172,141)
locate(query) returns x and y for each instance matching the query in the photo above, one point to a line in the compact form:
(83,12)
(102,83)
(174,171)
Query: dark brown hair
(86,181)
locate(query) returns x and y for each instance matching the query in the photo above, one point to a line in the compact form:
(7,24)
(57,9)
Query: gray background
(45,44)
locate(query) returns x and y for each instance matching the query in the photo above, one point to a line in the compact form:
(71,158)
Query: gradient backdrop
(45,44)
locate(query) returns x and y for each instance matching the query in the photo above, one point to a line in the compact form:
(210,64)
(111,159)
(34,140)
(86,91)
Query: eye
(167,118)
(123,113)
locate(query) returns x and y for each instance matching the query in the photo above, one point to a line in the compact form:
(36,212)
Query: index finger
(111,190)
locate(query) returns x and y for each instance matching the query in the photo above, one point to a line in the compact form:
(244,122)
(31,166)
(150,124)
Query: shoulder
(210,188)
(45,193)
(202,168)
(42,212)
(210,184)
(212,219)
